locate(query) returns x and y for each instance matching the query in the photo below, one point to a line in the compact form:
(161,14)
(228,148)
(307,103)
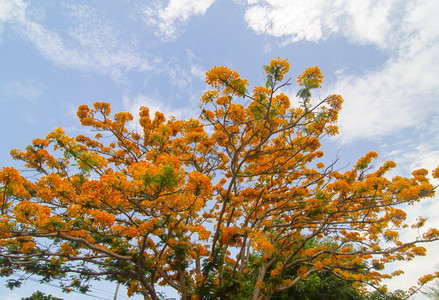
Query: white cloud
(94,44)
(381,102)
(296,20)
(170,18)
(399,96)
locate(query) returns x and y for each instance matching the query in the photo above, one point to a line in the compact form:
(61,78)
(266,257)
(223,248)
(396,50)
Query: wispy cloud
(197,70)
(178,75)
(29,90)
(169,19)
(93,44)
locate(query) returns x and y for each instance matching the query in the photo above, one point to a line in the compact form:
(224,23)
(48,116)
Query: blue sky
(381,56)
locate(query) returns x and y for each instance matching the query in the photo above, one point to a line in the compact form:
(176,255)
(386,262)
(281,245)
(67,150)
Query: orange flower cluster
(199,184)
(102,217)
(17,185)
(277,270)
(278,67)
(27,247)
(30,212)
(312,77)
(261,243)
(318,265)
(302,272)
(203,233)
(230,236)
(219,77)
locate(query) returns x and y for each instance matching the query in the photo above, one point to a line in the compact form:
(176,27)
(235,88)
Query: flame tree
(238,203)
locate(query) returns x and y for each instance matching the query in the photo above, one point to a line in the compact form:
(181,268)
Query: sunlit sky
(381,56)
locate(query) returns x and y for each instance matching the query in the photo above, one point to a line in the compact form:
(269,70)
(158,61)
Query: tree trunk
(149,293)
(182,282)
(148,290)
(257,293)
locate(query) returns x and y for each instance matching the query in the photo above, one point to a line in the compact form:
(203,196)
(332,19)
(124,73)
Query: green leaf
(304,93)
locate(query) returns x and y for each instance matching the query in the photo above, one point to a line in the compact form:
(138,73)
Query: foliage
(40,296)
(383,295)
(318,286)
(216,208)
(327,286)
(433,291)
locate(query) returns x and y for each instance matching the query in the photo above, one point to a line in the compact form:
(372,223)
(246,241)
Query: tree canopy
(40,296)
(236,204)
